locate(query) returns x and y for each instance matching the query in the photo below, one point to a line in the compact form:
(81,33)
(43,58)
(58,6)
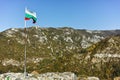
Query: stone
(117,78)
(93,78)
(35,73)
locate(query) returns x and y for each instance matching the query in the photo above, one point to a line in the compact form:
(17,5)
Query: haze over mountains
(84,52)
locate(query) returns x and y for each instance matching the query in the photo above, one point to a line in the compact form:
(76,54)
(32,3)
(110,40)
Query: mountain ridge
(60,49)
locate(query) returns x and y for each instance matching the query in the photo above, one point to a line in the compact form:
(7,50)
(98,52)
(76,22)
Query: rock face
(45,76)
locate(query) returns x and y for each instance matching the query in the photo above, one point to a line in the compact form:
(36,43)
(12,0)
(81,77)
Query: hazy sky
(78,14)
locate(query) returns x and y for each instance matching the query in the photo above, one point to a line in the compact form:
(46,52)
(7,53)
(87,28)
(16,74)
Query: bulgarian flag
(30,15)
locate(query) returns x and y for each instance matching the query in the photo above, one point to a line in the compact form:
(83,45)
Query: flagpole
(32,16)
(25,51)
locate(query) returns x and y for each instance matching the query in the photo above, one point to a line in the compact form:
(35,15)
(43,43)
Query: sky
(77,14)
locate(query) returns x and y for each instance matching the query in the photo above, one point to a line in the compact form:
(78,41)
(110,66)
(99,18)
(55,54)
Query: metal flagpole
(25,52)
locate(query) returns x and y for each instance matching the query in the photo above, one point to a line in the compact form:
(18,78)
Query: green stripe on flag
(30,16)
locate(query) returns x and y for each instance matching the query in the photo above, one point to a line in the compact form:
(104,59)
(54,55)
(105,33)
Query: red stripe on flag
(27,18)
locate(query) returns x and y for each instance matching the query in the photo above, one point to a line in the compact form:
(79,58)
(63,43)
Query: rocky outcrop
(45,76)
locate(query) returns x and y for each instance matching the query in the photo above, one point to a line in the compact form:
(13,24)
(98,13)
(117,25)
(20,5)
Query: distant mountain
(84,52)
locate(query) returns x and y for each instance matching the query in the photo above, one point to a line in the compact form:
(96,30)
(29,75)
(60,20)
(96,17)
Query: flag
(30,15)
